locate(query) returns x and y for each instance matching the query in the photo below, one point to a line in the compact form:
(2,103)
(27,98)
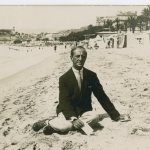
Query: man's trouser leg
(91,117)
(61,124)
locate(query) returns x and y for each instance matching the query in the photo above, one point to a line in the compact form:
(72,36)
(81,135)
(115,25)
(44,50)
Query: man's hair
(77,47)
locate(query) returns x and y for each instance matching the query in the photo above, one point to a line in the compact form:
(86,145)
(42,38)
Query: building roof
(107,32)
(6,31)
(128,13)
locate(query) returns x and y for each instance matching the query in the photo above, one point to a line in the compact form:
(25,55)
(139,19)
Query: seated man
(75,90)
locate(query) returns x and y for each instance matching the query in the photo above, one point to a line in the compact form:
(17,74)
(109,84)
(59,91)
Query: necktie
(79,80)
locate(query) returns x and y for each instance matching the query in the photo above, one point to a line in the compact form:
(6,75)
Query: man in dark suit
(75,104)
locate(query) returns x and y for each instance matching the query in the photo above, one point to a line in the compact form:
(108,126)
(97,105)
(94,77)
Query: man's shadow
(97,127)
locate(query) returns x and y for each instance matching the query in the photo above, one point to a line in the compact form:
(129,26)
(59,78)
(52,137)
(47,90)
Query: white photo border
(73,2)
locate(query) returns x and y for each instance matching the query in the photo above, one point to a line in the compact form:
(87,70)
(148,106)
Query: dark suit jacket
(72,102)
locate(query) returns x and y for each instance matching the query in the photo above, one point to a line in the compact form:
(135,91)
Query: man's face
(79,58)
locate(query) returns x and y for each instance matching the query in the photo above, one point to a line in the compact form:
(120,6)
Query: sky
(35,19)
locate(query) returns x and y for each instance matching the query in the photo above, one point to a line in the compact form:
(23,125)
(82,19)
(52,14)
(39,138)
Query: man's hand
(78,124)
(124,118)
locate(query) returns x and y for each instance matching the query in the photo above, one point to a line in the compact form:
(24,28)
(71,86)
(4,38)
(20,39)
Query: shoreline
(13,62)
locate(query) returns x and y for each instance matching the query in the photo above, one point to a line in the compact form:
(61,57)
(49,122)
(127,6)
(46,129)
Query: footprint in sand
(141,131)
(6,122)
(36,146)
(7,131)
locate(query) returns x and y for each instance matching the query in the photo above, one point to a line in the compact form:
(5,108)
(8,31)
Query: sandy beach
(29,92)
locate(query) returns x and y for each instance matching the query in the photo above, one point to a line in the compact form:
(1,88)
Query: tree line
(132,22)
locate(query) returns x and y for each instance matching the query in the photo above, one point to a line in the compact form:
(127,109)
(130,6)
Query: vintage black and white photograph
(75,77)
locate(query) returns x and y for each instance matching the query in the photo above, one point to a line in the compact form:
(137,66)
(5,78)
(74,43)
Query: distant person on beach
(55,47)
(117,42)
(75,110)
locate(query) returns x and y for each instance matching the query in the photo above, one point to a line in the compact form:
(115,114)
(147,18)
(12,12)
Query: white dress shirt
(76,72)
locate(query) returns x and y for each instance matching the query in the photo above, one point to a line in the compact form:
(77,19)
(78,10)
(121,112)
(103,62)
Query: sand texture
(31,94)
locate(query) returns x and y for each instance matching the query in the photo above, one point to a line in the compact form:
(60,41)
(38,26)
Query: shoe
(39,125)
(48,130)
